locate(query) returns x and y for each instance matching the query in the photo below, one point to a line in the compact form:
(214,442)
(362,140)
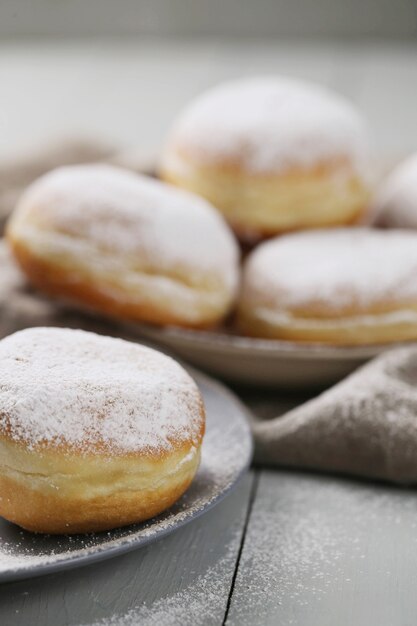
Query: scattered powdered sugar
(396,201)
(61,386)
(335,269)
(290,549)
(202,602)
(269,124)
(313,545)
(123,213)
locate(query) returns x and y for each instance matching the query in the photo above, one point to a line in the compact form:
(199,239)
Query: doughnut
(95,432)
(395,204)
(127,246)
(342,286)
(273,154)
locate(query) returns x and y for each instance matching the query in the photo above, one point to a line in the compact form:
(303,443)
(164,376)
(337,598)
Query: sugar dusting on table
(197,604)
(300,547)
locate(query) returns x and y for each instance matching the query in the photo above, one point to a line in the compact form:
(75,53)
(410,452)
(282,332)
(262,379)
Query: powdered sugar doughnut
(396,201)
(273,154)
(126,245)
(95,432)
(344,286)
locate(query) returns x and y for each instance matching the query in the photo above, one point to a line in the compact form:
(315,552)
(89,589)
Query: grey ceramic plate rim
(215,341)
(127,543)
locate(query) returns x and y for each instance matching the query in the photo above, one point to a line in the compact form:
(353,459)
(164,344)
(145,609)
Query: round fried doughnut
(273,154)
(95,432)
(396,201)
(342,286)
(126,245)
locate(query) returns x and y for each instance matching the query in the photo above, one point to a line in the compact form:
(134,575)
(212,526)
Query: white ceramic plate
(226,454)
(262,362)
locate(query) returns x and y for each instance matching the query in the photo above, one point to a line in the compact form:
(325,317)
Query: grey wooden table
(284,548)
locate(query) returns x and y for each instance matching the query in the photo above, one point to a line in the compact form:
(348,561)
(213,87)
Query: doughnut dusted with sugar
(395,204)
(273,154)
(126,245)
(342,286)
(95,432)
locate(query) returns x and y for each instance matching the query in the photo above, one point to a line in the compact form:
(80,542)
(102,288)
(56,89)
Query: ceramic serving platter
(226,455)
(263,362)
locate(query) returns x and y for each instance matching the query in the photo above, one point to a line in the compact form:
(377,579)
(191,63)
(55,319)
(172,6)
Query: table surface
(285,547)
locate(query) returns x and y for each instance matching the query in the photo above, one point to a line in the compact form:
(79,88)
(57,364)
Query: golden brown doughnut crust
(261,206)
(84,501)
(58,282)
(377,327)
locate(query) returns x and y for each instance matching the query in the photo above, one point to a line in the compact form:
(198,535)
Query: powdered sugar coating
(269,124)
(396,201)
(335,269)
(71,388)
(164,229)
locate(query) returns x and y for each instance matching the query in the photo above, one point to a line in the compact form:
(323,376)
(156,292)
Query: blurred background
(119,72)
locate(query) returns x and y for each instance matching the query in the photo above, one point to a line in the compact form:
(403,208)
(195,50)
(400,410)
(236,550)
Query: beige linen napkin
(365,425)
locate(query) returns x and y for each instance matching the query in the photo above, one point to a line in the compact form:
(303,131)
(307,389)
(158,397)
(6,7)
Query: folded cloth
(365,425)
